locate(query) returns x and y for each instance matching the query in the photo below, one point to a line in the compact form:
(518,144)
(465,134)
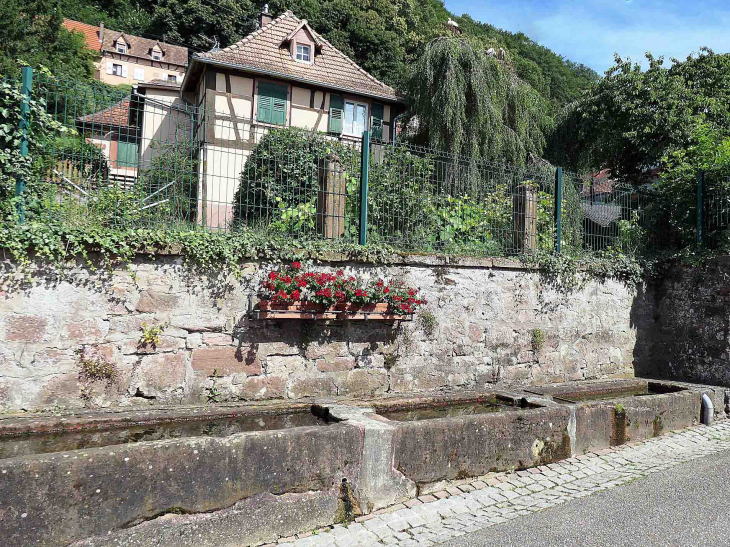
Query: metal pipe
(708,409)
(393,125)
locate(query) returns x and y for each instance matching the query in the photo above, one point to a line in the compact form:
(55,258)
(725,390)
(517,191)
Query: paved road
(685,505)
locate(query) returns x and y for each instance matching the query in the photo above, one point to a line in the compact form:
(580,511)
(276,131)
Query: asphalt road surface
(686,505)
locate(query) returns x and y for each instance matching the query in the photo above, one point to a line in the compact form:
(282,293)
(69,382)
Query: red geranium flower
(273,275)
(286,279)
(386,290)
(296,295)
(412,292)
(302,283)
(358,292)
(296,265)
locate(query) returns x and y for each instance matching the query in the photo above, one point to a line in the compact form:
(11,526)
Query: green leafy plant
(214,394)
(428,322)
(151,334)
(537,340)
(94,370)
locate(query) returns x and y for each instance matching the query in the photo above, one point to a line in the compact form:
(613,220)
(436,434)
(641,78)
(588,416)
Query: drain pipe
(708,410)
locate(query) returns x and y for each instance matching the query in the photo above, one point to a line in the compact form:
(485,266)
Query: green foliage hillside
(383,36)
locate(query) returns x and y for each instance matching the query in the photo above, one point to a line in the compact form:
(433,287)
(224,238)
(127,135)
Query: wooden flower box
(267,309)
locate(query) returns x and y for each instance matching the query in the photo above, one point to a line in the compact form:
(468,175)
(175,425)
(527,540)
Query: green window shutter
(337,114)
(127,154)
(272,103)
(376,121)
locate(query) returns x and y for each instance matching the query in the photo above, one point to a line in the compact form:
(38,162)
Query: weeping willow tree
(470,103)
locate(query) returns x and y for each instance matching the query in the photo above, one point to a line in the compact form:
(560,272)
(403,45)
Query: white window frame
(139,74)
(172,76)
(299,55)
(122,48)
(348,130)
(114,69)
(156,55)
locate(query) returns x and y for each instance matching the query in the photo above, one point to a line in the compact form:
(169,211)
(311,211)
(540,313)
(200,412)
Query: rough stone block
(363,382)
(160,375)
(85,331)
(156,301)
(285,365)
(264,387)
(370,361)
(266,349)
(226,360)
(217,339)
(326,350)
(338,364)
(25,328)
(301,387)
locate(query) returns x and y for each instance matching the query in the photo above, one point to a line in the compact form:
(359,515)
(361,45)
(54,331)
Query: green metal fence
(148,158)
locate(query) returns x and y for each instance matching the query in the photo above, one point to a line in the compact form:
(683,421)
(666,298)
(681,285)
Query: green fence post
(364,170)
(558,208)
(25,90)
(700,203)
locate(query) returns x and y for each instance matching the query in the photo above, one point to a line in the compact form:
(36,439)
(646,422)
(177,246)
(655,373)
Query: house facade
(282,75)
(128,59)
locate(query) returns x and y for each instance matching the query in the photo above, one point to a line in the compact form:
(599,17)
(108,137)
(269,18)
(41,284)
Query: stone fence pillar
(524,216)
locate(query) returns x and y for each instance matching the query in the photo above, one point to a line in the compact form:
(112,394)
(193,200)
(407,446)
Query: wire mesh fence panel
(294,181)
(125,159)
(426,200)
(716,207)
(613,215)
(148,158)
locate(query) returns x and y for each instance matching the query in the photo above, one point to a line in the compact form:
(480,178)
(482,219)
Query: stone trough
(224,476)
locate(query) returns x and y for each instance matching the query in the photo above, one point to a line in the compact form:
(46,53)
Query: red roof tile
(90,32)
(114,116)
(266,50)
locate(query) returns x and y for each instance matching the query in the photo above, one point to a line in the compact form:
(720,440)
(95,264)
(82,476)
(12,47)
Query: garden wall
(492,322)
(690,337)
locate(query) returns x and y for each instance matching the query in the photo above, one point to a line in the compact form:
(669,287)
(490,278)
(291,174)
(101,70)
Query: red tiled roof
(90,32)
(266,50)
(602,183)
(114,116)
(138,46)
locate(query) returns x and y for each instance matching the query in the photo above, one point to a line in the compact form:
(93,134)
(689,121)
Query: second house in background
(128,59)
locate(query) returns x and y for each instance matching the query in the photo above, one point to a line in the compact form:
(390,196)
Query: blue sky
(590,31)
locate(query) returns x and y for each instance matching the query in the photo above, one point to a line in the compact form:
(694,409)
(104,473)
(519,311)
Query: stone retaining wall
(489,319)
(689,339)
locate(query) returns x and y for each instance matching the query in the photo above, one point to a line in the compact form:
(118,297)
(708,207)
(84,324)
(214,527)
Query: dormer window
(156,55)
(121,47)
(304,53)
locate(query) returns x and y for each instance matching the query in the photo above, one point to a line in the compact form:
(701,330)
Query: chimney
(265,17)
(101,35)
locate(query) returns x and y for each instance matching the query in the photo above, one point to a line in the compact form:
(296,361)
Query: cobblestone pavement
(486,501)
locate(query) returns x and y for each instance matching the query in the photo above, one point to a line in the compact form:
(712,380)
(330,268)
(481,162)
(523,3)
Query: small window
(156,55)
(172,78)
(303,53)
(356,115)
(121,47)
(139,74)
(117,70)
